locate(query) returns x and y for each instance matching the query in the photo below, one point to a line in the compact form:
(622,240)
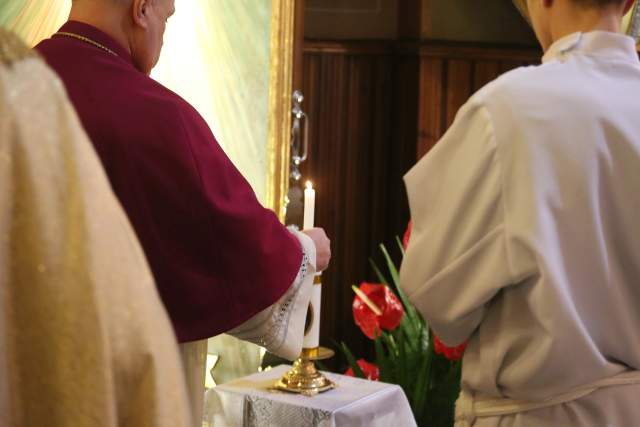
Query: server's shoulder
(518,84)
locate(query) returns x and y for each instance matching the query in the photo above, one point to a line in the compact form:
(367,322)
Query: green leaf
(420,390)
(414,327)
(408,330)
(386,369)
(378,273)
(357,371)
(410,311)
(425,334)
(432,355)
(424,391)
(403,365)
(400,245)
(391,345)
(395,276)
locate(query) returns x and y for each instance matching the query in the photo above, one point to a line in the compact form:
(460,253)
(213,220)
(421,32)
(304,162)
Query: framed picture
(632,22)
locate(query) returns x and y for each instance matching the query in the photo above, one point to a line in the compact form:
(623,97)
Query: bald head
(138,25)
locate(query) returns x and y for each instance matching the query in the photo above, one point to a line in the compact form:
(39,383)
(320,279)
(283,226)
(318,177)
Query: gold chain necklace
(87,40)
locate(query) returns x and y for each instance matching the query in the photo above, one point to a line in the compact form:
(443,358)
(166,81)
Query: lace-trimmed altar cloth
(248,402)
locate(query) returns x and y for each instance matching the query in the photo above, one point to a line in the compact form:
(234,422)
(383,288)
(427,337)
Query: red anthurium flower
(371,371)
(451,353)
(407,234)
(390,310)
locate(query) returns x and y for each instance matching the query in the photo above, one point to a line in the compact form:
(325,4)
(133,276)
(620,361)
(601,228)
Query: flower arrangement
(407,353)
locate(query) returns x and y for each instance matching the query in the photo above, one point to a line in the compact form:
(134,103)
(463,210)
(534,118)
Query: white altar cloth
(248,402)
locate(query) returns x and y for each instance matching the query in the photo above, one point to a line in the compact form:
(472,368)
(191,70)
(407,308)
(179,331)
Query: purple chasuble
(217,255)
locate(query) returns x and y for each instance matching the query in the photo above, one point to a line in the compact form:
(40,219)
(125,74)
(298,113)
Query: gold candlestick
(304,377)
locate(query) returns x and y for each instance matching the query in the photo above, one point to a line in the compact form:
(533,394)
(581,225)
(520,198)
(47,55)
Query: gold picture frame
(631,24)
(280,92)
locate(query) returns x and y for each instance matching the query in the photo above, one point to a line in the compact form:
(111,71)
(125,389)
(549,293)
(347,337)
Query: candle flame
(309,185)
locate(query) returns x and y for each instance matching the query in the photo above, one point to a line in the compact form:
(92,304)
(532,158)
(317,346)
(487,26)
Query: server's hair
(599,3)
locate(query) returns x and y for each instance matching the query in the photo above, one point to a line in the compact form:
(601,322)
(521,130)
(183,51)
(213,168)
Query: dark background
(383,80)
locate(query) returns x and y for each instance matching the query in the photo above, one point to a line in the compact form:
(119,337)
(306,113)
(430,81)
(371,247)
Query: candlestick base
(303,377)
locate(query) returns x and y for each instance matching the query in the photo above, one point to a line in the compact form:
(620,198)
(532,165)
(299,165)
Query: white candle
(309,206)
(312,334)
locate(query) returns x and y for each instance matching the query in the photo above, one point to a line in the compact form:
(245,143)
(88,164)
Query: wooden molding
(430,48)
(365,47)
(478,52)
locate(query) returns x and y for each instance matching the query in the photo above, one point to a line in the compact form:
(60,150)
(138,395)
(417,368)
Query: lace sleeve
(280,327)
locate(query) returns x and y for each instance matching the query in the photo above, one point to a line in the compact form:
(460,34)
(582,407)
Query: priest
(222,262)
(84,338)
(219,258)
(525,230)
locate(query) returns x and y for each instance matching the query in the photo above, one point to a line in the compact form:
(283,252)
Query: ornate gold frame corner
(280,90)
(633,26)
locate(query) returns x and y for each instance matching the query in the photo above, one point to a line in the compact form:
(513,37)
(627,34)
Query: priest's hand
(323,247)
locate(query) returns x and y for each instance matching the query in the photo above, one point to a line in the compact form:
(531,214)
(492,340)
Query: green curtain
(216,55)
(9,11)
(34,20)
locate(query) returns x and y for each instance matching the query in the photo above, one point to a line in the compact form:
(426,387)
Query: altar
(250,401)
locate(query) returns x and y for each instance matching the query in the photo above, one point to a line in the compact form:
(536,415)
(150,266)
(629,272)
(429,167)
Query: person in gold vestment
(84,338)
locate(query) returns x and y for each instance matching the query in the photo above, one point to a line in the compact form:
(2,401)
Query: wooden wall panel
(347,97)
(485,71)
(374,107)
(457,86)
(431,117)
(450,74)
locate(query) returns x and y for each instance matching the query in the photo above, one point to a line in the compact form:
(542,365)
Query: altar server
(526,234)
(84,338)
